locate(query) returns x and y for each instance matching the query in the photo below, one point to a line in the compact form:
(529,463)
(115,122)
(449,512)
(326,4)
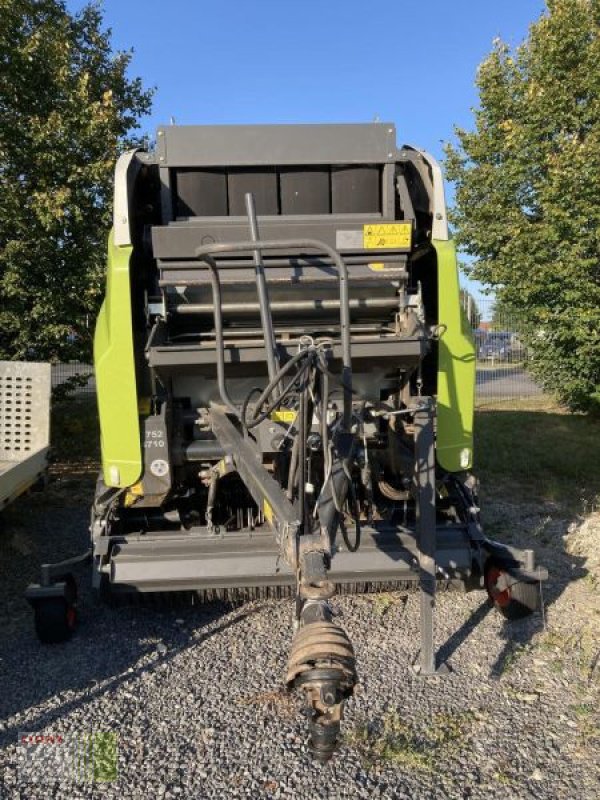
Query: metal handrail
(205,255)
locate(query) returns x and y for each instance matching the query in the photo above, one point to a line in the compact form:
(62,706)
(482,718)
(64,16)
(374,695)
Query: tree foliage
(528,192)
(67,108)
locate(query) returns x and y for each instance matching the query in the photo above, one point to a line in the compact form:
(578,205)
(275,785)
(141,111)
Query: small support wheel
(514,599)
(55,618)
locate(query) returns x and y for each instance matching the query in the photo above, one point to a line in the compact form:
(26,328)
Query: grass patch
(512,657)
(383,601)
(395,741)
(583,710)
(589,734)
(556,642)
(503,778)
(578,648)
(540,402)
(541,454)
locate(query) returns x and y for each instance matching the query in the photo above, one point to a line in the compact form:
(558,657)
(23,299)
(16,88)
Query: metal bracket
(54,578)
(52,572)
(424,479)
(266,492)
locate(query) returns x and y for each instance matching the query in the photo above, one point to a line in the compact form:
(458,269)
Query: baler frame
(147,535)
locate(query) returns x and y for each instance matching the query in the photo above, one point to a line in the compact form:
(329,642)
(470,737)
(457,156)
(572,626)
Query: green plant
(528,196)
(397,741)
(68,109)
(383,601)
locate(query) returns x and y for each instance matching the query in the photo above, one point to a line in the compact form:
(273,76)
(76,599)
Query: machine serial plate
(396,235)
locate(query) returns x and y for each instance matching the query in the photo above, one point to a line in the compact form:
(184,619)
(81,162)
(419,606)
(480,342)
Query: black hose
(282,373)
(302,454)
(258,418)
(352,548)
(251,393)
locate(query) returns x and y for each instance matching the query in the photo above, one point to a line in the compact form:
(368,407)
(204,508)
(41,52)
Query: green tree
(528,192)
(67,109)
(506,318)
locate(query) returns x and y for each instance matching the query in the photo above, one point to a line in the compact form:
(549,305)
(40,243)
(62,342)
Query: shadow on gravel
(516,634)
(111,647)
(111,669)
(459,636)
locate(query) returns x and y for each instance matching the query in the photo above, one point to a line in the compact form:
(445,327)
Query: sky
(409,62)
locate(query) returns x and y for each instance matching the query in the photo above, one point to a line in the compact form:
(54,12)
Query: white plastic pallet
(24,426)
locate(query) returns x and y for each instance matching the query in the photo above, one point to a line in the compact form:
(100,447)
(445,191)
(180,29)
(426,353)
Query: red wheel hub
(501,597)
(71,616)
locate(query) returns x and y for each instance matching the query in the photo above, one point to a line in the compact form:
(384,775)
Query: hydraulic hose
(302,454)
(262,415)
(354,546)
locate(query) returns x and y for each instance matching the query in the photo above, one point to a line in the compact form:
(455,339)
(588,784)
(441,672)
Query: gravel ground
(195,693)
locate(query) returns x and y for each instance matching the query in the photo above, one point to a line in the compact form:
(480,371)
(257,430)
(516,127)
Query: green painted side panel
(456,368)
(115,375)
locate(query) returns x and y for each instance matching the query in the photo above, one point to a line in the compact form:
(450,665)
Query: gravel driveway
(195,696)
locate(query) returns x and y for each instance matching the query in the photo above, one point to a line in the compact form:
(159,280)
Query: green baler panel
(456,368)
(115,375)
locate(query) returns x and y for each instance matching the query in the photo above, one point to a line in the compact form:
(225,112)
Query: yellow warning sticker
(382,236)
(222,468)
(376,266)
(132,494)
(267,511)
(283,415)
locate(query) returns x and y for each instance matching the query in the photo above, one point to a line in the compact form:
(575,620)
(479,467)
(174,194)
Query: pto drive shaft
(322,664)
